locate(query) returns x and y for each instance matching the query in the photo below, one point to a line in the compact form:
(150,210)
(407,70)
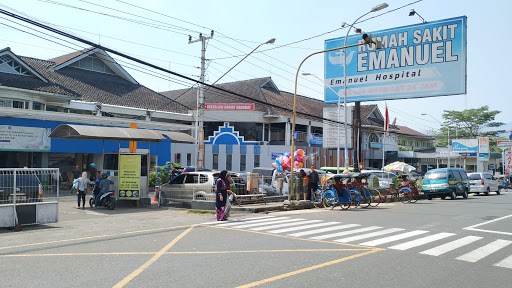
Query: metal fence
(28,196)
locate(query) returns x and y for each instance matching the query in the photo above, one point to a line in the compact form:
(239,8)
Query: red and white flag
(386,121)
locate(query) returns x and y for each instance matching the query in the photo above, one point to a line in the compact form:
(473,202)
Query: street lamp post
(448,144)
(295,105)
(374,9)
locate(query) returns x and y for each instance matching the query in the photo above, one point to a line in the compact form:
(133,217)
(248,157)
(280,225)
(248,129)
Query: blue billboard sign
(465,145)
(422,60)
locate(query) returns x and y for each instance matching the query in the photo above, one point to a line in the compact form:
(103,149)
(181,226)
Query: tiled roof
(89,86)
(64,58)
(406,131)
(253,89)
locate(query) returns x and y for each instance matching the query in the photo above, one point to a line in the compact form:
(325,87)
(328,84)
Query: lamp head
(306,74)
(271,41)
(379,7)
(358,30)
(412,12)
(424,114)
(343,24)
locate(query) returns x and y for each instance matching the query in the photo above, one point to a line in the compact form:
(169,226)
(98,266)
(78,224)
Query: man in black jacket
(312,182)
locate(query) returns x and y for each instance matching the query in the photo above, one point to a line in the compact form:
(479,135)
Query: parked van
(446,182)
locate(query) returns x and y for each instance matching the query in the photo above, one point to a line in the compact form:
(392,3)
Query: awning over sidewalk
(86,132)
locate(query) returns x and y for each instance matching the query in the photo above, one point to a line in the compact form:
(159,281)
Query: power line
(56,31)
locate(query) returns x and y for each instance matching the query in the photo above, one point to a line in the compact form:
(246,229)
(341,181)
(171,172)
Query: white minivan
(482,182)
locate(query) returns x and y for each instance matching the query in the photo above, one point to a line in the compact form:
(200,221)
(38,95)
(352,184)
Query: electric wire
(106,49)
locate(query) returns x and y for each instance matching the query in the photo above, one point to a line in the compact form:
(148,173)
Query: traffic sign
(504,143)
(491,166)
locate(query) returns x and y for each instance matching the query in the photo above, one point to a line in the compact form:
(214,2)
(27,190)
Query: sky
(158,32)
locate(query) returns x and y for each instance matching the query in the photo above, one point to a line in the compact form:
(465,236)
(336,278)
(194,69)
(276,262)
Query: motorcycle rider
(104,188)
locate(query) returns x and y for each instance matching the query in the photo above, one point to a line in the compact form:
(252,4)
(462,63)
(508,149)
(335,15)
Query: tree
(470,124)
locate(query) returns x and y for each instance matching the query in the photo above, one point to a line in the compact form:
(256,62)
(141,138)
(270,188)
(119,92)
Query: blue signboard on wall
(422,60)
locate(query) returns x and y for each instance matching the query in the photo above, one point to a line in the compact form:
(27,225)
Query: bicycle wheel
(345,206)
(413,199)
(376,197)
(355,196)
(403,196)
(329,201)
(317,198)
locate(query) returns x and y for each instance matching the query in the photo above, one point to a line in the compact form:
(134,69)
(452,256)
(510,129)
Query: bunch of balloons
(283,162)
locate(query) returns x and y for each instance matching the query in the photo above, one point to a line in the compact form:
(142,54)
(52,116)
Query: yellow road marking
(92,237)
(78,254)
(135,273)
(181,252)
(306,269)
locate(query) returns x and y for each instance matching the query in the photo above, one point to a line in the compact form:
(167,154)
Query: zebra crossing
(374,236)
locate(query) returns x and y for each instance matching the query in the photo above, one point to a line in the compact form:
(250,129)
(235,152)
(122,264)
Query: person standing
(221,195)
(312,182)
(81,188)
(76,175)
(92,172)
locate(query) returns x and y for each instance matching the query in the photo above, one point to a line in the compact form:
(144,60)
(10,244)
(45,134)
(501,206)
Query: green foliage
(161,174)
(469,124)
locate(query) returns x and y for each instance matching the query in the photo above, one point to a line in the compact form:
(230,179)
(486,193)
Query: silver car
(482,182)
(385,177)
(188,186)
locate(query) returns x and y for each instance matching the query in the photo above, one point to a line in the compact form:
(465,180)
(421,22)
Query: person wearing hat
(92,172)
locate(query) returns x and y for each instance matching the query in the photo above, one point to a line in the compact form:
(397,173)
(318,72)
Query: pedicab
(405,188)
(347,189)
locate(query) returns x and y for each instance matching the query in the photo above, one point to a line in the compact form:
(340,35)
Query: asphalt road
(438,243)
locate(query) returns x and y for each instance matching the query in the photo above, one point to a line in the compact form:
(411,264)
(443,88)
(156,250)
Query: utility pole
(199,163)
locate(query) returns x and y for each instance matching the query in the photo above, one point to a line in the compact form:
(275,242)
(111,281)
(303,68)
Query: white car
(482,182)
(385,177)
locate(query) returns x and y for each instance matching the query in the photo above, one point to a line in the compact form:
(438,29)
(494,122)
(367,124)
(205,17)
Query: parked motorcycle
(107,200)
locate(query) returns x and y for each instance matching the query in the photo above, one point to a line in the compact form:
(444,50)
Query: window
(92,63)
(52,108)
(177,158)
(474,177)
(5,103)
(242,161)
(458,176)
(191,179)
(178,179)
(256,160)
(243,149)
(189,159)
(37,106)
(229,161)
(110,162)
(203,178)
(18,104)
(215,162)
(144,165)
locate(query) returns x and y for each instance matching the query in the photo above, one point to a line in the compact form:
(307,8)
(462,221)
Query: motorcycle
(107,200)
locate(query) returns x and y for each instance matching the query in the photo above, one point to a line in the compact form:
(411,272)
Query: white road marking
(224,224)
(473,227)
(368,235)
(345,233)
(303,227)
(436,251)
(393,238)
(506,263)
(299,234)
(263,224)
(484,251)
(421,241)
(238,220)
(285,225)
